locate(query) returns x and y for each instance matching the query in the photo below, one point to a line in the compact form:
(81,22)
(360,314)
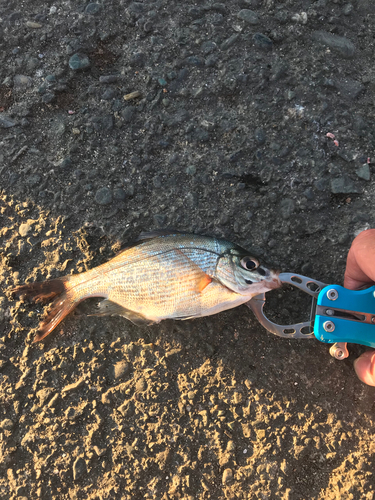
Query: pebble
(6,122)
(229,41)
(66,163)
(262,41)
(119,194)
(140,385)
(287,207)
(160,219)
(343,185)
(93,8)
(103,196)
(33,25)
(109,94)
(79,468)
(208,47)
(227,476)
(195,61)
(7,424)
(24,229)
(48,97)
(108,79)
(260,136)
(340,44)
(347,9)
(363,172)
(22,82)
(79,62)
(249,16)
(119,370)
(348,88)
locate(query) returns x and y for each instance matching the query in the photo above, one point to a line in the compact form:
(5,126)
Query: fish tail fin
(65,300)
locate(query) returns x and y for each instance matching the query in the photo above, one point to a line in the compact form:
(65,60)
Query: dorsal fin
(150,235)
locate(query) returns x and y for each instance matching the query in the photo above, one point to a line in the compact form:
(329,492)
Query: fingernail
(364,367)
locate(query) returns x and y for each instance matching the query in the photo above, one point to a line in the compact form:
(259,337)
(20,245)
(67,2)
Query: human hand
(360,272)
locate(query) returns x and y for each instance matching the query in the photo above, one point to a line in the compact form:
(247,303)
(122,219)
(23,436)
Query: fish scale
(163,276)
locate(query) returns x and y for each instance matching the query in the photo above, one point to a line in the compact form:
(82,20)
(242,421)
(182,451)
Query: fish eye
(249,263)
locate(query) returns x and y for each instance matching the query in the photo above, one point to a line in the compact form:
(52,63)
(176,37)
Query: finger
(364,367)
(360,264)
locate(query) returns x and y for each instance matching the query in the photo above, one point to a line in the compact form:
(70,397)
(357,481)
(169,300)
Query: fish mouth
(274,280)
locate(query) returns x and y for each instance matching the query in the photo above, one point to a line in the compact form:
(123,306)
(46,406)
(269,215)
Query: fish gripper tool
(338,316)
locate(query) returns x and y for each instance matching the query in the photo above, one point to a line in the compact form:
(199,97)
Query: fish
(164,274)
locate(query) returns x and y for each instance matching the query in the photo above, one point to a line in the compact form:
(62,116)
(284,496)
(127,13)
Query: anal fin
(109,308)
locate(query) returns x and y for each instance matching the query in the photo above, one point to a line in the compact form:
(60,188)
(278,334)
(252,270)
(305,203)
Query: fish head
(244,274)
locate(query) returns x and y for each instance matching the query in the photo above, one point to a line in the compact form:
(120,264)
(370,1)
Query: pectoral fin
(204,281)
(109,308)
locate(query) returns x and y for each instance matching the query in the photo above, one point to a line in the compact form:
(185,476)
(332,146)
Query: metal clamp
(298,330)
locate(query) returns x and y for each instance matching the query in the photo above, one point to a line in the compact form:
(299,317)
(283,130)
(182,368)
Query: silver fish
(164,275)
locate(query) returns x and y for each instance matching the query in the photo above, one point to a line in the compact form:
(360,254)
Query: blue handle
(343,329)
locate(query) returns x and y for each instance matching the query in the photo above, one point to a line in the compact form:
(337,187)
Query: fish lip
(275,281)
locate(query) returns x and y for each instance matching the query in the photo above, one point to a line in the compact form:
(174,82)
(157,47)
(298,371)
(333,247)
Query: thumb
(360,264)
(364,367)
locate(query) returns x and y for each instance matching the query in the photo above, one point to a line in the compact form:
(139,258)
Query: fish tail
(64,301)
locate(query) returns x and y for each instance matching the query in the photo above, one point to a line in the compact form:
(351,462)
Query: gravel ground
(120,117)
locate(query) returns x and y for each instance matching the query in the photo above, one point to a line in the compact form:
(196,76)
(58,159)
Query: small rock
(119,370)
(261,433)
(34,180)
(137,59)
(339,44)
(343,185)
(208,47)
(6,122)
(260,136)
(363,172)
(103,196)
(108,79)
(48,97)
(66,163)
(249,16)
(348,88)
(160,219)
(347,9)
(24,229)
(79,62)
(44,394)
(109,94)
(195,61)
(287,206)
(141,385)
(227,476)
(262,41)
(229,42)
(119,194)
(79,468)
(22,82)
(33,25)
(7,424)
(93,8)
(127,409)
